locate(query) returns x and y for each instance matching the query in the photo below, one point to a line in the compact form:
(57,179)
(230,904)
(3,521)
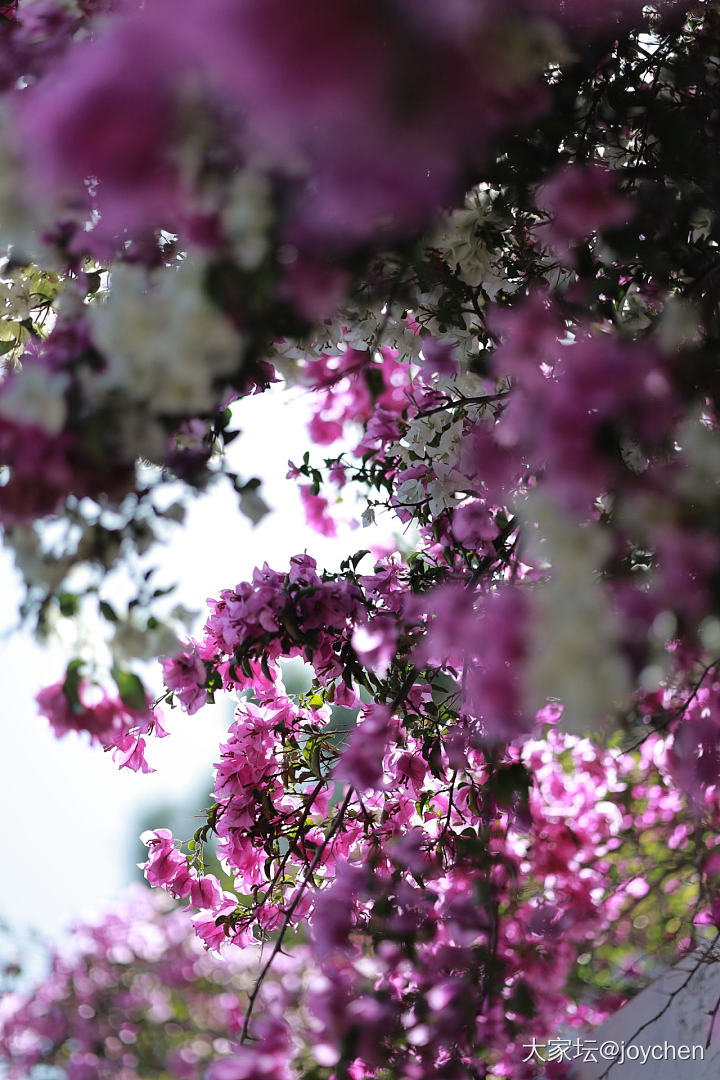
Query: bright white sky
(66,810)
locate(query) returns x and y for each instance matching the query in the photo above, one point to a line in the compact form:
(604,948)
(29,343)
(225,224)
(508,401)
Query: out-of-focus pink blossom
(581,199)
(316,512)
(185,675)
(361,763)
(375,642)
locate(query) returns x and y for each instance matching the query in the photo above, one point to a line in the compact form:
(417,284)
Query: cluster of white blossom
(22,219)
(474,241)
(699,445)
(364,323)
(165,346)
(574,655)
(247,218)
(462,238)
(438,439)
(37,399)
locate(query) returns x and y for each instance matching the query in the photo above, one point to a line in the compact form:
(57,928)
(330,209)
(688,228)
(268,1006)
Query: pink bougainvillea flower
(375,642)
(316,512)
(361,763)
(581,199)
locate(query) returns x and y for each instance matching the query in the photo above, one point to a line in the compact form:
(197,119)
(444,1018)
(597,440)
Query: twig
(337,821)
(712,1015)
(290,911)
(677,711)
(671,997)
(482,399)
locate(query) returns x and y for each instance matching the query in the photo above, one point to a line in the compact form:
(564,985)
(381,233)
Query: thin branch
(671,997)
(712,1016)
(337,821)
(676,712)
(482,399)
(290,911)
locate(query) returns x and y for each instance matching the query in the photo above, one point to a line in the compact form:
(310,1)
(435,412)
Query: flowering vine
(485,251)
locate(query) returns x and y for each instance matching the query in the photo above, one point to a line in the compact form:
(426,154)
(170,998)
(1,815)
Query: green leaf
(130,688)
(265,667)
(69,604)
(71,685)
(107,611)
